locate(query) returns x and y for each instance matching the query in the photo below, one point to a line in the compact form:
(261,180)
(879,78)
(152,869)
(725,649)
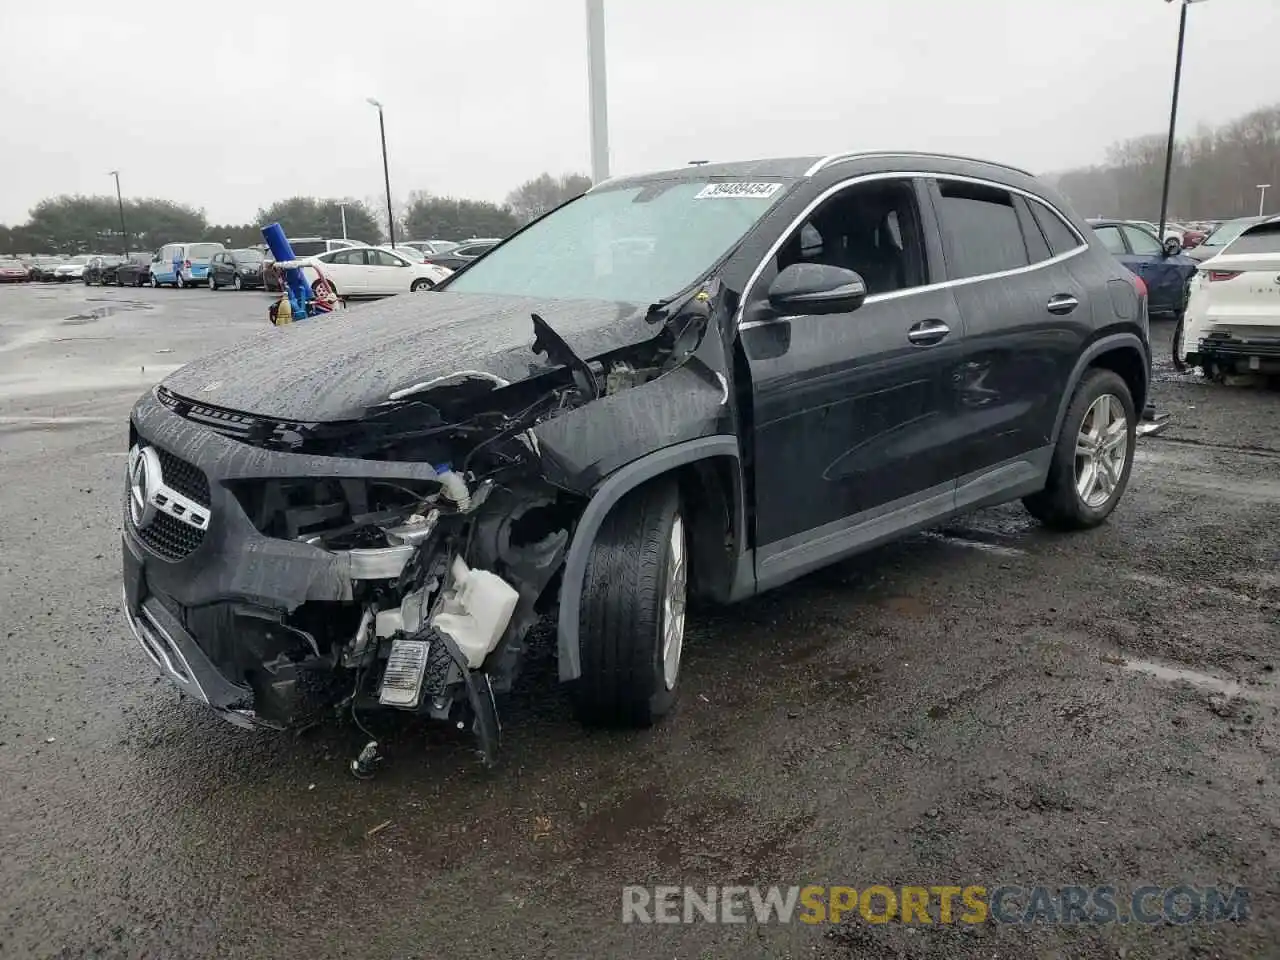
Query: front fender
(607,494)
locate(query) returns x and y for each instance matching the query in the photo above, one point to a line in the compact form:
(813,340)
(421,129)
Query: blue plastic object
(295,281)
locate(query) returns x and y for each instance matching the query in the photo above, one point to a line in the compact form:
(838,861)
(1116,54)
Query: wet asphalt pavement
(986,704)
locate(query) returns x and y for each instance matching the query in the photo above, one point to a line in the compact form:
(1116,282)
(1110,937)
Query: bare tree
(535,197)
(1216,171)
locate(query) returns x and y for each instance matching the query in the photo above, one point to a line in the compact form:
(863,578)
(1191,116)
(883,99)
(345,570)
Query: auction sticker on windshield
(754,191)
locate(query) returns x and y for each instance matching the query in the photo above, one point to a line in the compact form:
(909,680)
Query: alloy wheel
(673,604)
(1102,449)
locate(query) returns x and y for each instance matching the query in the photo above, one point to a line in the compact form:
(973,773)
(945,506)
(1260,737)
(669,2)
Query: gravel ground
(985,704)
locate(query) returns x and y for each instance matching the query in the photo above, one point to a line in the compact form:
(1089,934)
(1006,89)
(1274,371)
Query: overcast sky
(187,100)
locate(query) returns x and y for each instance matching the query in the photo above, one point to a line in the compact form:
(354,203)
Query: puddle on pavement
(1205,681)
(1202,589)
(971,543)
(34,384)
(109,308)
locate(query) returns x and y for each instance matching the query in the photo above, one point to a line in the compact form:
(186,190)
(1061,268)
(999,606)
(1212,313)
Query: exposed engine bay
(445,575)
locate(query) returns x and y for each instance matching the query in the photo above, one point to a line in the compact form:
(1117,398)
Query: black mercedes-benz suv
(707,381)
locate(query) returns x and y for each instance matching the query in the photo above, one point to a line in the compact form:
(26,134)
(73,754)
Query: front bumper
(212,609)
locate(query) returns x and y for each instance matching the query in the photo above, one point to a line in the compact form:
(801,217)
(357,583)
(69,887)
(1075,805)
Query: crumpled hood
(338,366)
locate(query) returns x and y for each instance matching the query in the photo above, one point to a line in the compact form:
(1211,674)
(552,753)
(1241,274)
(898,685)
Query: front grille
(165,535)
(184,477)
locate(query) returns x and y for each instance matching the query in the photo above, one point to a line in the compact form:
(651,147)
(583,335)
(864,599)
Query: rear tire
(631,619)
(178,282)
(238,283)
(419,285)
(1178,363)
(1093,457)
(213,284)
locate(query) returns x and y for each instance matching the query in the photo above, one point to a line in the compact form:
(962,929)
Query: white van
(314,246)
(183,264)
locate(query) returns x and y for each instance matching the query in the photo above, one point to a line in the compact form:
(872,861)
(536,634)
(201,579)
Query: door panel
(849,413)
(1018,353)
(1025,321)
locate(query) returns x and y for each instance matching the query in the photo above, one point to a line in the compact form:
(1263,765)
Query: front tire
(238,283)
(1093,457)
(632,615)
(155,284)
(420,285)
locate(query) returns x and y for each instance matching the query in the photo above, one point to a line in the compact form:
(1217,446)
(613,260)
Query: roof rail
(860,154)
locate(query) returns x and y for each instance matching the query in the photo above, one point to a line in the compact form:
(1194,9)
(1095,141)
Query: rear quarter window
(982,230)
(1060,237)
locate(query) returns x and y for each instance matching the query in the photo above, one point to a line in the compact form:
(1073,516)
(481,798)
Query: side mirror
(1172,247)
(816,288)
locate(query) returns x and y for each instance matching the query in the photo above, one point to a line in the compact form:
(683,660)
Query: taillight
(1216,275)
(1141,285)
(186,264)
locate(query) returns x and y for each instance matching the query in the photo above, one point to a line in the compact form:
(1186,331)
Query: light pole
(124,234)
(1262,199)
(342,208)
(386,173)
(1173,113)
(598,92)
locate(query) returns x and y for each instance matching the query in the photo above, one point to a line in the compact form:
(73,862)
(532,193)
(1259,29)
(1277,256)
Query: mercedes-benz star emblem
(145,478)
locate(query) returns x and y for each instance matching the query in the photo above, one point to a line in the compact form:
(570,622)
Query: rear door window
(1142,243)
(1111,239)
(981,230)
(1061,238)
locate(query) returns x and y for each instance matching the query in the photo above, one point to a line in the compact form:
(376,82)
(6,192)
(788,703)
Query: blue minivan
(183,264)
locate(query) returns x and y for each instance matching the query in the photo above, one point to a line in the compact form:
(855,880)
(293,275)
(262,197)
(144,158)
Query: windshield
(632,244)
(202,251)
(1227,232)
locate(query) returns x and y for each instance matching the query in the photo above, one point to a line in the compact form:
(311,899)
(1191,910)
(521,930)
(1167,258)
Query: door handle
(927,332)
(1062,303)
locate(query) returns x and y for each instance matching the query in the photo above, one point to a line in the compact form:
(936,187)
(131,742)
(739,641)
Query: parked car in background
(42,267)
(1162,267)
(1219,239)
(72,269)
(412,254)
(1193,236)
(1232,324)
(183,264)
(374,272)
(314,246)
(133,272)
(1172,231)
(239,269)
(14,271)
(432,247)
(96,270)
(463,254)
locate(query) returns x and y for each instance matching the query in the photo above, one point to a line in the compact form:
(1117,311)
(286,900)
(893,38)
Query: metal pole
(598,92)
(342,208)
(386,175)
(1262,200)
(124,234)
(1173,119)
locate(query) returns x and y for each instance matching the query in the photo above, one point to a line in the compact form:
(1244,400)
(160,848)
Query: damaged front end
(396,561)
